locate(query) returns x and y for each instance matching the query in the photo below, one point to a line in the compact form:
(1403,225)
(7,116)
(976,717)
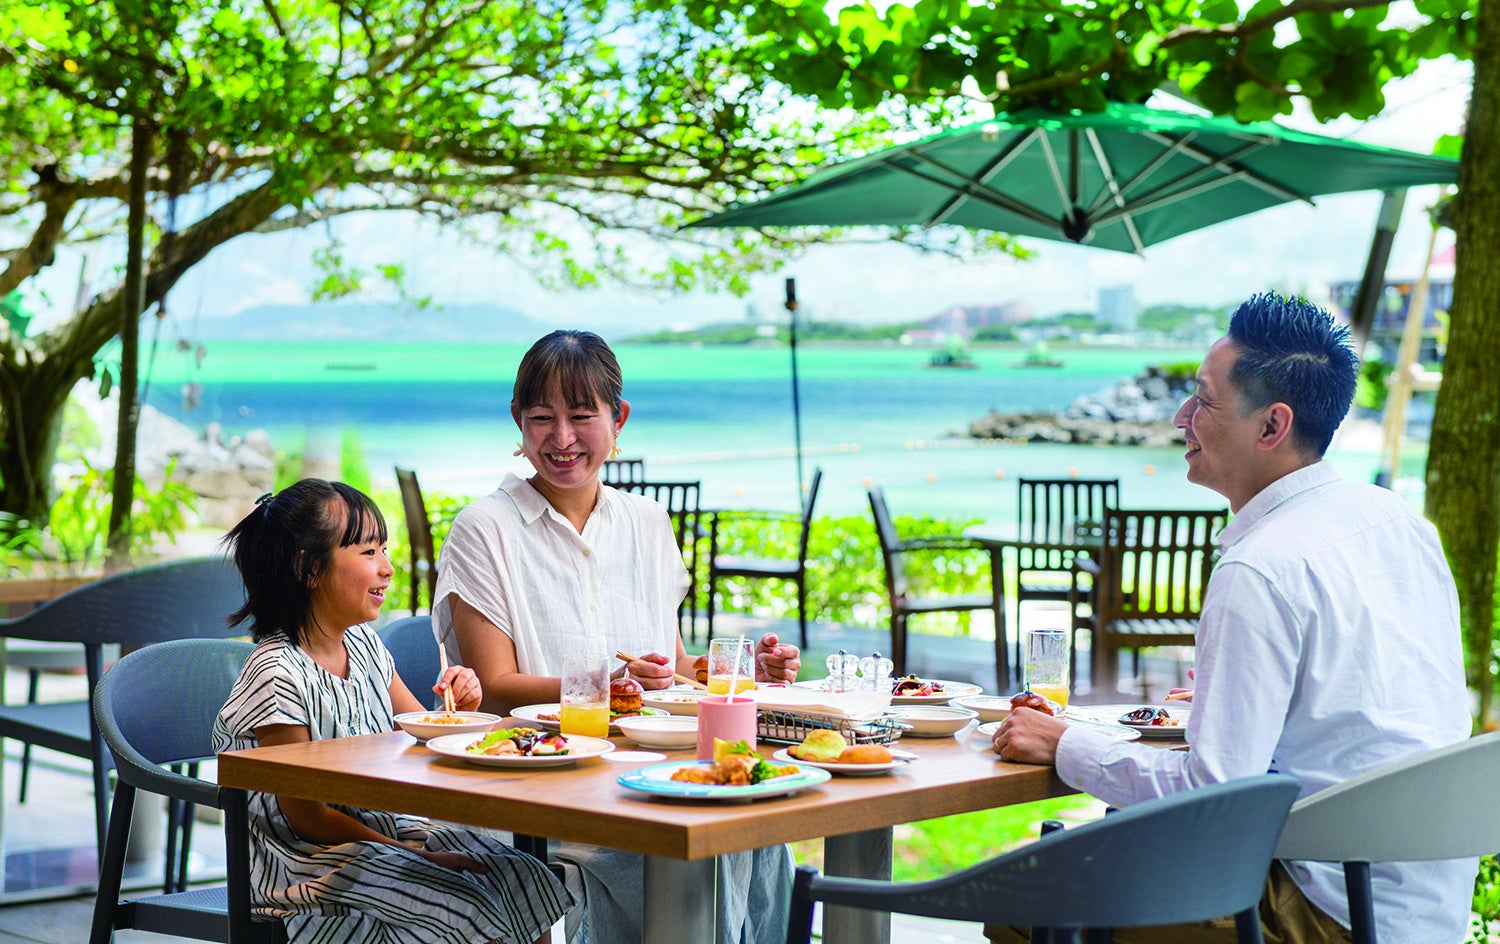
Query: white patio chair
(1436,805)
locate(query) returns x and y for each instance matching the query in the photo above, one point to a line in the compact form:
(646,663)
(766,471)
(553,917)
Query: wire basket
(792,728)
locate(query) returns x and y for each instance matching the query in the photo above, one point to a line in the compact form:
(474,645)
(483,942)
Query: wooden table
(679,838)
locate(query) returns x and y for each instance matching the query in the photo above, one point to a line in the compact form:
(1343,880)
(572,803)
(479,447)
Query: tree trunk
(1463,465)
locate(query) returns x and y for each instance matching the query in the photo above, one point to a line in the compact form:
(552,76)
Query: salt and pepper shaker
(841,672)
(875,671)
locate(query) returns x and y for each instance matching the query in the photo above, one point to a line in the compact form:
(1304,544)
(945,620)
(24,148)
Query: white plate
(987,707)
(1163,731)
(933,720)
(672,732)
(1117,731)
(474,722)
(849,770)
(657,779)
(674,701)
(531,714)
(579,748)
(1110,715)
(951,690)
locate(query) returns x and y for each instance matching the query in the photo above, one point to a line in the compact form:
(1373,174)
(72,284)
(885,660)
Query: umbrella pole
(1372,285)
(791,309)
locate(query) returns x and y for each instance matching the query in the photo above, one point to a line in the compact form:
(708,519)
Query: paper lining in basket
(841,706)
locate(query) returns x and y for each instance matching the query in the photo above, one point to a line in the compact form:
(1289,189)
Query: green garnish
(763,769)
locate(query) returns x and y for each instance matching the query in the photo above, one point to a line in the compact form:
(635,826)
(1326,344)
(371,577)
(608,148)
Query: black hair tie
(263,499)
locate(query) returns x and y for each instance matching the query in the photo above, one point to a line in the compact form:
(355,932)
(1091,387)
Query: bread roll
(822,745)
(865,754)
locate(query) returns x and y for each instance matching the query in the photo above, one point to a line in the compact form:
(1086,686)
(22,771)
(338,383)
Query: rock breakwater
(1136,411)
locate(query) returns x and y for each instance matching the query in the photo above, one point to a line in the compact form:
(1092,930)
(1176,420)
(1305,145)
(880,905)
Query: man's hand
(776,661)
(1029,737)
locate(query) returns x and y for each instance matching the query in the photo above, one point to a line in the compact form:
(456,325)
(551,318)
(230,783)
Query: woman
(559,563)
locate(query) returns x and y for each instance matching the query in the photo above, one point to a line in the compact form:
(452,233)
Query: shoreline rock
(1136,411)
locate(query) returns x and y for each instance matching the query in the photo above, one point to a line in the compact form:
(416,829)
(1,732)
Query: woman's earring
(519,451)
(615,452)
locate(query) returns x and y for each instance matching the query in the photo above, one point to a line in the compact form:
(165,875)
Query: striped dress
(365,892)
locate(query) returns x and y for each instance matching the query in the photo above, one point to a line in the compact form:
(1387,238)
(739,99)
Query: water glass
(585,694)
(731,658)
(1047,661)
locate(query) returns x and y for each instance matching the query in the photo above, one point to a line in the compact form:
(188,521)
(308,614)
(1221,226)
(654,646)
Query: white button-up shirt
(1329,645)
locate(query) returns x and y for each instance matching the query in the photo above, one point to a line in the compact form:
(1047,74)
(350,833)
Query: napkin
(838,706)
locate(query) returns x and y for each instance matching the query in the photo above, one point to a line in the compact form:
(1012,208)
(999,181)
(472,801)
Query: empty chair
(180,599)
(1215,842)
(415,650)
(619,471)
(1049,513)
(721,566)
(157,706)
(681,500)
(905,604)
(418,539)
(1436,805)
(1147,584)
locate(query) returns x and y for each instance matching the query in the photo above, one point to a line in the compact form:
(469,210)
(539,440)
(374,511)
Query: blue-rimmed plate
(657,779)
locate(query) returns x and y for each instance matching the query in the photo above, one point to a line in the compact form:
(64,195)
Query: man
(1329,641)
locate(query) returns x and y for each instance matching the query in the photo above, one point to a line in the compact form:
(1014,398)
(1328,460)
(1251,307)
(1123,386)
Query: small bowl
(987,707)
(419,725)
(933,720)
(674,701)
(663,732)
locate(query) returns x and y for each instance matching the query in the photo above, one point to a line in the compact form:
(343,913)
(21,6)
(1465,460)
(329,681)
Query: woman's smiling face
(568,443)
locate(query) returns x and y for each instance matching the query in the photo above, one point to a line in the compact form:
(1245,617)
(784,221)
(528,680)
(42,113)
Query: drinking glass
(1047,664)
(731,657)
(585,695)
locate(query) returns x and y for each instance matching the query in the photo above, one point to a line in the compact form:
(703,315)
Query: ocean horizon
(721,415)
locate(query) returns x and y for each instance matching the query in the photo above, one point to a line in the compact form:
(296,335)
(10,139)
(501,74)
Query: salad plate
(579,748)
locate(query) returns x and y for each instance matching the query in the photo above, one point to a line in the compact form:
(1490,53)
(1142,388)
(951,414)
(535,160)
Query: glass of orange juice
(1047,664)
(731,658)
(585,695)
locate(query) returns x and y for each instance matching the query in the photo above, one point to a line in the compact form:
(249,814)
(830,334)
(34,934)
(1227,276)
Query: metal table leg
(679,900)
(857,855)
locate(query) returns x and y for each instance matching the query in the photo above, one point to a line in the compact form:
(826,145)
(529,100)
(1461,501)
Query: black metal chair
(1049,512)
(157,707)
(722,566)
(905,604)
(621,471)
(418,539)
(415,650)
(683,505)
(1216,843)
(182,599)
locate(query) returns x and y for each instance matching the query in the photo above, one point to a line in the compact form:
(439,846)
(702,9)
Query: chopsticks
(1174,696)
(443,670)
(675,675)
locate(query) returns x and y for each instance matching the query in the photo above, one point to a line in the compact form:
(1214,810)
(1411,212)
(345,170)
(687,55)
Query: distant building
(1391,309)
(964,320)
(1117,307)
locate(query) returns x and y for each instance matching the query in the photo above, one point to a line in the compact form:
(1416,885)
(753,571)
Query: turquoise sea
(720,415)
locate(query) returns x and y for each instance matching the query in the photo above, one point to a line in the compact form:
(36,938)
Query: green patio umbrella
(1123,178)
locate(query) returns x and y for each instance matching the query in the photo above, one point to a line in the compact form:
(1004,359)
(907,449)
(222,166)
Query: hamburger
(700,669)
(624,697)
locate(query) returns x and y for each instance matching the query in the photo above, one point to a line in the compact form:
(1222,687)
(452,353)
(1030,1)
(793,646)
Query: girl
(315,570)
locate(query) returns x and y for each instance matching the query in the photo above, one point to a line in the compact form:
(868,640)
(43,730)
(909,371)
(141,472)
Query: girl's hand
(465,685)
(451,860)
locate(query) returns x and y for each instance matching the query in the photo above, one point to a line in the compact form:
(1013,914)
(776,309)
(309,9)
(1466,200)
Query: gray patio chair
(1436,805)
(181,599)
(415,650)
(1215,842)
(157,707)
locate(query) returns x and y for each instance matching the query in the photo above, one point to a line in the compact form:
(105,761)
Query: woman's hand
(465,685)
(776,661)
(653,670)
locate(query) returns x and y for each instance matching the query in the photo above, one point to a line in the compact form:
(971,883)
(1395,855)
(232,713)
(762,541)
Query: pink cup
(719,717)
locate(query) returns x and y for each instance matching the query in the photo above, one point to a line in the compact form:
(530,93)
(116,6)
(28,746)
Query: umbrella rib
(970,188)
(1173,147)
(1001,161)
(1167,199)
(1229,163)
(1062,193)
(1115,194)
